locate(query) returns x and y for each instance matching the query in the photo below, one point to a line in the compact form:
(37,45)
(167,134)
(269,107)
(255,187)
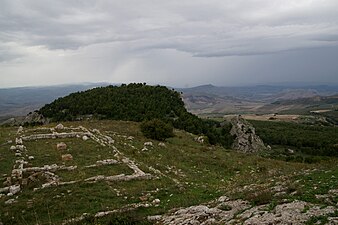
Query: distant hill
(134,102)
(304,104)
(205,99)
(22,100)
(212,100)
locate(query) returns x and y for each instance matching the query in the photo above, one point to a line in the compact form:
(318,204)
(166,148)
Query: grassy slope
(204,173)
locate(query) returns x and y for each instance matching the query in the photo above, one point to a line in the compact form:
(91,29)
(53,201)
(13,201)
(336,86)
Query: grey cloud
(198,27)
(126,40)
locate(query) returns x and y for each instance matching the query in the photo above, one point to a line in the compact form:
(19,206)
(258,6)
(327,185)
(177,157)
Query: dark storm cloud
(123,36)
(199,27)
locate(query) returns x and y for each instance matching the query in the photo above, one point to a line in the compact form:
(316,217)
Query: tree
(157,129)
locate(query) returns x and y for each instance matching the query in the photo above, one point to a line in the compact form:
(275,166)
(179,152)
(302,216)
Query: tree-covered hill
(135,102)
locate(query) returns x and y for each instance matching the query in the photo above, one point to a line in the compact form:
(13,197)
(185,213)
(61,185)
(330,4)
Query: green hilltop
(135,102)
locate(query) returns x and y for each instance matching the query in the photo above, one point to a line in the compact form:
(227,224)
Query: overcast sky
(178,43)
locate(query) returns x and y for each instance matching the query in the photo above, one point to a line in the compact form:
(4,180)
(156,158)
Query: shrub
(260,198)
(157,129)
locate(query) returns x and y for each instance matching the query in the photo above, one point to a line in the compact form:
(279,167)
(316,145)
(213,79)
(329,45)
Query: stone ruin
(22,173)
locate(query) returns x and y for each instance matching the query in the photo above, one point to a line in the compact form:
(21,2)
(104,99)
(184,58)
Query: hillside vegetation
(298,142)
(182,172)
(135,102)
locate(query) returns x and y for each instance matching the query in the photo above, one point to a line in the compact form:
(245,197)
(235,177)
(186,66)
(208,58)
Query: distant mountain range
(202,100)
(212,100)
(22,100)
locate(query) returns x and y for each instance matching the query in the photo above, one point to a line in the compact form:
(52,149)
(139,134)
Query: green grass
(204,173)
(83,173)
(7,157)
(316,183)
(83,152)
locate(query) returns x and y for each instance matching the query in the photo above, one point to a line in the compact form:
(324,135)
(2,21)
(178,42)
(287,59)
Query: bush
(157,129)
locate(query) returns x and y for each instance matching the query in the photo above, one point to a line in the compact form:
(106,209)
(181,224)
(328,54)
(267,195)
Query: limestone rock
(246,139)
(18,141)
(61,146)
(154,218)
(288,213)
(156,201)
(201,139)
(149,143)
(161,144)
(14,189)
(34,117)
(59,127)
(106,162)
(4,190)
(202,214)
(67,157)
(85,138)
(20,147)
(10,201)
(20,130)
(291,151)
(223,199)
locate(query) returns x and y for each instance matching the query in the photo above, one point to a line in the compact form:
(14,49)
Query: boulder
(246,139)
(161,144)
(18,141)
(149,143)
(67,157)
(201,139)
(20,148)
(59,127)
(20,129)
(156,201)
(61,146)
(14,189)
(85,138)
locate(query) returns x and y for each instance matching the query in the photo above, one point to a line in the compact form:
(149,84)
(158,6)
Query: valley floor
(109,172)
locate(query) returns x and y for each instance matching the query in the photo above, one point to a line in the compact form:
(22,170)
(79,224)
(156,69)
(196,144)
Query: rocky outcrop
(204,215)
(31,118)
(246,139)
(35,118)
(225,211)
